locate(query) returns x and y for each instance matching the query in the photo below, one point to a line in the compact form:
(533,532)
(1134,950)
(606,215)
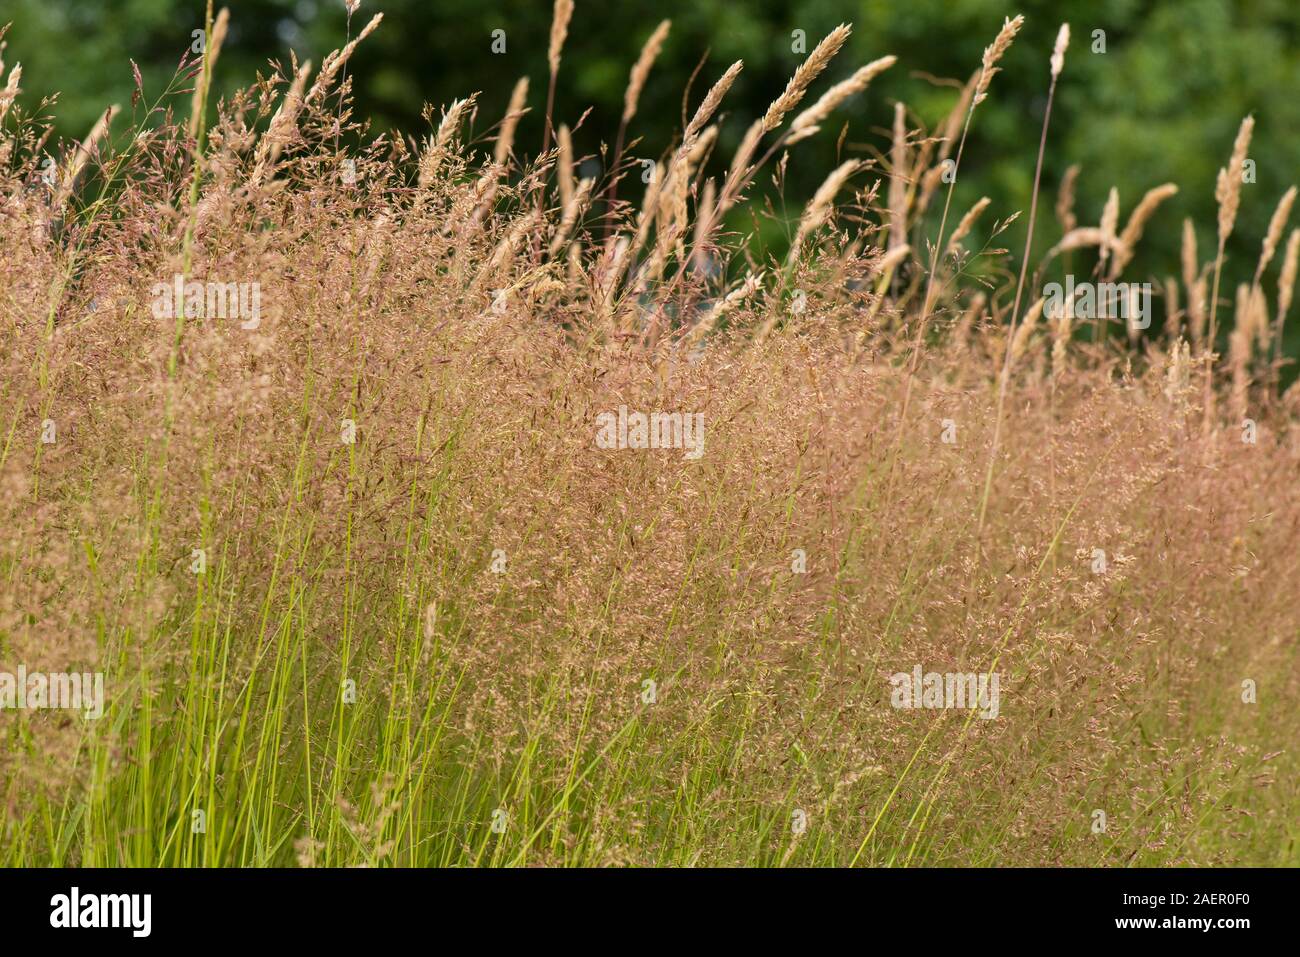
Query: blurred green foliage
(1162,103)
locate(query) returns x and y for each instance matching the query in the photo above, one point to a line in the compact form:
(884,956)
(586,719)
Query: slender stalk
(1020,287)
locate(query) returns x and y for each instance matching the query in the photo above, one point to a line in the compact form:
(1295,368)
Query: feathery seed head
(641,69)
(563,12)
(994,52)
(803,77)
(1058,54)
(1227,190)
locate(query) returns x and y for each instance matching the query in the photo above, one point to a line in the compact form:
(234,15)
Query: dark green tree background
(1162,103)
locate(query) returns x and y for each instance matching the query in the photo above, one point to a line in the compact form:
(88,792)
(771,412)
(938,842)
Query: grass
(365,591)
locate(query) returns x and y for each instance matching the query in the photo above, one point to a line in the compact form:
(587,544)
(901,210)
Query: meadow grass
(366,592)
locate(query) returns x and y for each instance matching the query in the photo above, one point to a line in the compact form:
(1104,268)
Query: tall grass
(365,591)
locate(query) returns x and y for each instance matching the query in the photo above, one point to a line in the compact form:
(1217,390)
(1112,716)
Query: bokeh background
(1162,103)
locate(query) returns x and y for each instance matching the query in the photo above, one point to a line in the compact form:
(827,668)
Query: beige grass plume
(1259,318)
(81,156)
(732,185)
(338,59)
(510,123)
(710,104)
(677,173)
(1240,342)
(1227,190)
(1286,284)
(948,139)
(1190,262)
(1020,344)
(668,189)
(1274,234)
(1109,221)
(803,77)
(1081,237)
(672,211)
(740,171)
(631,99)
(564,165)
(1126,244)
(283,124)
(966,223)
(703,143)
(890,260)
(437,147)
(974,310)
(796,136)
(993,53)
(211,50)
(560,18)
(952,124)
(1173,315)
(726,305)
(11,89)
(745,151)
(1062,331)
(1058,53)
(1065,199)
(1227,193)
(1196,314)
(898,178)
(819,207)
(452,117)
(641,69)
(836,95)
(526,223)
(1178,377)
(703,211)
(574,208)
(1193,284)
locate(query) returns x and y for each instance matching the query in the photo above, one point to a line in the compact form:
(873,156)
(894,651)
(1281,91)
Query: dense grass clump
(366,589)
